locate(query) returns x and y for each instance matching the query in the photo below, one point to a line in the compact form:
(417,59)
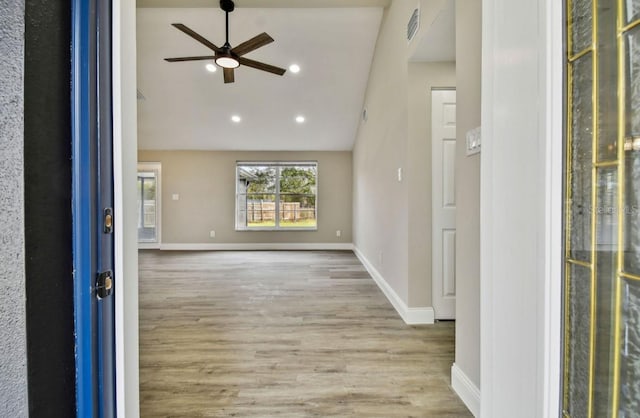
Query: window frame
(278,165)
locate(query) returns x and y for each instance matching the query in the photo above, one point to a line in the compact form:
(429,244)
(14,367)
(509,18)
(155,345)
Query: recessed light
(294,68)
(300,119)
(236,118)
(211,68)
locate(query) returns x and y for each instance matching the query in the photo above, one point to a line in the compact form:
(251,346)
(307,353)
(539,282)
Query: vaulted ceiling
(183,106)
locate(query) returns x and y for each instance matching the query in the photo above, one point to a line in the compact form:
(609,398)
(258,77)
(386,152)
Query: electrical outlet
(338,233)
(175,196)
(212,234)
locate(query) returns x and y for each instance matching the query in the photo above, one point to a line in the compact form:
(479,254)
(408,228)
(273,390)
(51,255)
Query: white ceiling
(186,107)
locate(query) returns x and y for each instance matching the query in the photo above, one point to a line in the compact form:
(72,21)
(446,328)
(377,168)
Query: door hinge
(108,221)
(104,284)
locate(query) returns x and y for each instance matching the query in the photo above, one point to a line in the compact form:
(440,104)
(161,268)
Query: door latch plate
(108,220)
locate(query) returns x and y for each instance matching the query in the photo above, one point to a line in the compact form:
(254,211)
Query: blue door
(93,241)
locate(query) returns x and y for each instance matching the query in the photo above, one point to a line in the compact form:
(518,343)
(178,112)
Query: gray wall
(468,75)
(379,200)
(205,183)
(392,219)
(13,361)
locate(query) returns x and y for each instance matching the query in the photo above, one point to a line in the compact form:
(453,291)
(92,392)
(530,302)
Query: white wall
(125,210)
(521,207)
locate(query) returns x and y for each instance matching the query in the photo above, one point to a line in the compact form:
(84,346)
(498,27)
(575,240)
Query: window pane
(298,180)
(261,210)
(298,196)
(606,262)
(630,351)
(632,156)
(581,152)
(633,10)
(579,331)
(256,179)
(632,212)
(581,24)
(298,211)
(633,82)
(607,84)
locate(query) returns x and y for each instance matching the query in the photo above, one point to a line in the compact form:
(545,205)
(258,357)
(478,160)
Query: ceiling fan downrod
(228,6)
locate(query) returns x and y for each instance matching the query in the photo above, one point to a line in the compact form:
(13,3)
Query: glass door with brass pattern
(601,364)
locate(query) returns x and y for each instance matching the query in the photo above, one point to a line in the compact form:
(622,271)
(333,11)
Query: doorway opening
(149,200)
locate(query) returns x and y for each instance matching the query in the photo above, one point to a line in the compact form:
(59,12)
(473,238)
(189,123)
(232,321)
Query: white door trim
(551,16)
(125,151)
(548,315)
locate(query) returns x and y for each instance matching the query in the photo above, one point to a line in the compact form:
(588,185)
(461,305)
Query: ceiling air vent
(413,25)
(140,95)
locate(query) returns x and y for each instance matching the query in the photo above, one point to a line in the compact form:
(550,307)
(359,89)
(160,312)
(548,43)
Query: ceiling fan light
(227,62)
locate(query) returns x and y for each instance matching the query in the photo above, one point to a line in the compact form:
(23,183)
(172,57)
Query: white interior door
(443,127)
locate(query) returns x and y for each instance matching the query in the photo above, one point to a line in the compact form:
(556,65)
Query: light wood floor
(283,334)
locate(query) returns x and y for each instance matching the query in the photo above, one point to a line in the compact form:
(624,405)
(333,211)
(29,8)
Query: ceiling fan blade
(229,76)
(261,66)
(206,57)
(196,36)
(252,44)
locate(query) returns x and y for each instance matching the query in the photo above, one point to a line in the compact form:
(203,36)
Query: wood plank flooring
(283,334)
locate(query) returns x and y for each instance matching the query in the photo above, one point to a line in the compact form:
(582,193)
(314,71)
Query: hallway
(261,334)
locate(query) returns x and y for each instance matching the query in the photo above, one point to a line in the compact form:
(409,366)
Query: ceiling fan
(227,57)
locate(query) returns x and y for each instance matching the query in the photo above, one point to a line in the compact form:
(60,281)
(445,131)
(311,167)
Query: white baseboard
(411,316)
(466,390)
(258,247)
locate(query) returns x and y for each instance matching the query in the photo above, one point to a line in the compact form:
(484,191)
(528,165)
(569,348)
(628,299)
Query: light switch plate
(474,141)
(175,196)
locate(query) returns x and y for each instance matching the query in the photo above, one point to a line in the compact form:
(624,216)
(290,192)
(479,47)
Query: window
(276,195)
(601,359)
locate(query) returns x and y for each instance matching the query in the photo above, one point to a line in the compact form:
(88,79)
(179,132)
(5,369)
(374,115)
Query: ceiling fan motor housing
(227,5)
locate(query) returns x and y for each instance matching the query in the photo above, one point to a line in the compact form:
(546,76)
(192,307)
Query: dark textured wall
(13,360)
(47,173)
